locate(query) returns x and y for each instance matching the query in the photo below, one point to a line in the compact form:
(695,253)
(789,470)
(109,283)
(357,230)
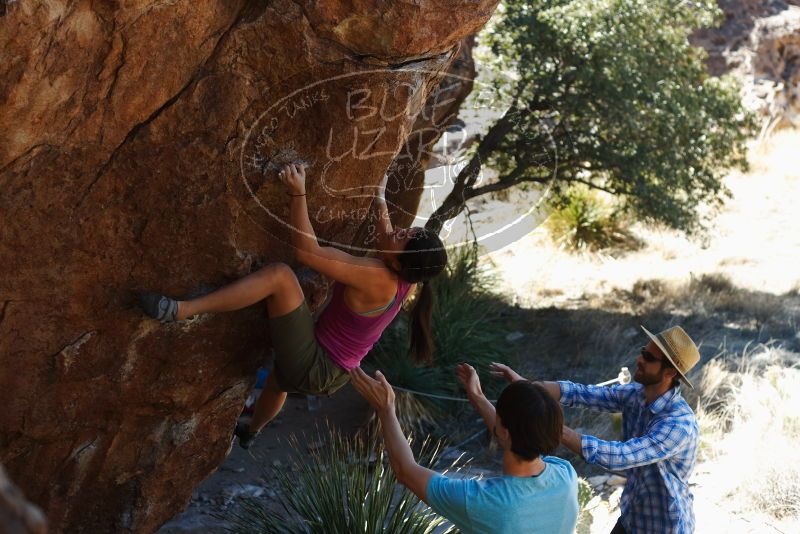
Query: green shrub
(345,487)
(582,220)
(585,494)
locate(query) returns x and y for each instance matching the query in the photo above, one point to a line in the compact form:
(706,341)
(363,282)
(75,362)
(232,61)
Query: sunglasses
(649,356)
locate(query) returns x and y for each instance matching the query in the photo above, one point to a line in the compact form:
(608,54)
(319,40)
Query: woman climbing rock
(367,294)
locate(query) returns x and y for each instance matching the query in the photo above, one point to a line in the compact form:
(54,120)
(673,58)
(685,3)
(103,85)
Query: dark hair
(666,364)
(533,418)
(423,258)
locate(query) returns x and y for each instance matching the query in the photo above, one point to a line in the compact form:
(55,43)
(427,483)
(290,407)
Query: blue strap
(381,309)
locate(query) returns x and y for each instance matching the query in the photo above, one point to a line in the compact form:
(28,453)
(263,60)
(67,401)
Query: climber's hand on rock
(293,176)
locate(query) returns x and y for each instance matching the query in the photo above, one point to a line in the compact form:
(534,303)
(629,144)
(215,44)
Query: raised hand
(468,377)
(293,176)
(504,371)
(377,391)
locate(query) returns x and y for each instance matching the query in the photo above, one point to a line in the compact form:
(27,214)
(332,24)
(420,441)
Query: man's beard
(645,379)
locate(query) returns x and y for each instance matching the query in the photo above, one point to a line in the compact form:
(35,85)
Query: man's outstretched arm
(572,440)
(504,371)
(663,440)
(380,395)
(601,398)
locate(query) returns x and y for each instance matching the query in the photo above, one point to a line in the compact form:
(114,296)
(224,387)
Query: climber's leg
(275,282)
(268,405)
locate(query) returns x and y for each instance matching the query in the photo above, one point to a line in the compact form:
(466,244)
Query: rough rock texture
(138,144)
(407,172)
(759,42)
(18,516)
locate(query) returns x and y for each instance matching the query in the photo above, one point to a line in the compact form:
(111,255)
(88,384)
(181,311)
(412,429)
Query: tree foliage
(609,94)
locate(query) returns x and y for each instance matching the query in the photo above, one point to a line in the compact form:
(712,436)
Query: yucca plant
(346,487)
(582,220)
(467,325)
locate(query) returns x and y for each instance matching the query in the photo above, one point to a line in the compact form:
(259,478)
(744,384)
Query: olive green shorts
(302,365)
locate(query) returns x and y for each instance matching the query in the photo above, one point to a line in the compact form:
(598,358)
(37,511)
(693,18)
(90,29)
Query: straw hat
(679,349)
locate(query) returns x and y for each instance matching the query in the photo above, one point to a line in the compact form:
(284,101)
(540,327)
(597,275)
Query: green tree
(609,94)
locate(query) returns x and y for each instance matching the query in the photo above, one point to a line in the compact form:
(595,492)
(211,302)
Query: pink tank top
(348,336)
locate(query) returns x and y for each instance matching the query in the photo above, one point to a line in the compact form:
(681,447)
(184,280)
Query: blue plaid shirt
(659,453)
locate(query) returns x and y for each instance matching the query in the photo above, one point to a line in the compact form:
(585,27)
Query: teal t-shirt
(546,503)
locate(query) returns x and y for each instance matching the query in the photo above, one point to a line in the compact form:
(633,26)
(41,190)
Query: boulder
(139,144)
(759,42)
(406,182)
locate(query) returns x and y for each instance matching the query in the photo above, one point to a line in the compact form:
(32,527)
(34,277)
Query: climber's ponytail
(423,258)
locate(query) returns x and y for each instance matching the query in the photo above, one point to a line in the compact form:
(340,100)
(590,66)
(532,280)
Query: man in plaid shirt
(660,434)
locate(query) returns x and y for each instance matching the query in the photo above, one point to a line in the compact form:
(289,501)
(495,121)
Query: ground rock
(759,42)
(598,480)
(514,337)
(139,144)
(616,480)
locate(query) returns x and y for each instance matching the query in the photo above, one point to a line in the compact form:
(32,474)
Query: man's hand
(504,371)
(468,377)
(293,177)
(378,393)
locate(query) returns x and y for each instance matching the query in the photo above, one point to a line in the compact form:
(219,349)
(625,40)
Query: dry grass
(755,241)
(750,430)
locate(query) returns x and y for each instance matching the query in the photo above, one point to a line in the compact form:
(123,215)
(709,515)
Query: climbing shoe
(246,438)
(159,307)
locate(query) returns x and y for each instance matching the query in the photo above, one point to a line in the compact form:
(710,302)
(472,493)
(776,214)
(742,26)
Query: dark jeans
(618,528)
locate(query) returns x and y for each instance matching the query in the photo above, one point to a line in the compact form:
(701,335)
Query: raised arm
(304,239)
(355,271)
(600,398)
(401,459)
(504,371)
(469,379)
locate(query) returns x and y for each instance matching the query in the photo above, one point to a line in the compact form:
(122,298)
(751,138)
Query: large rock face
(138,144)
(759,41)
(407,173)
